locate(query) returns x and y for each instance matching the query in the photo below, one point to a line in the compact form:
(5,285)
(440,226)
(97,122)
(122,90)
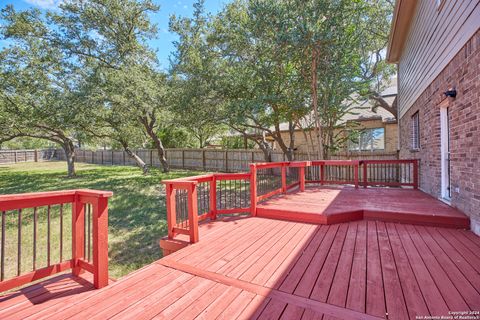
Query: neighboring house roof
(402,17)
(363,110)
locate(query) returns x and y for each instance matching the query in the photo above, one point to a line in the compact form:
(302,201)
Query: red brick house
(436,46)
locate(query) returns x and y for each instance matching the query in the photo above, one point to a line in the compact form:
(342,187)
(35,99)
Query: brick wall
(463,73)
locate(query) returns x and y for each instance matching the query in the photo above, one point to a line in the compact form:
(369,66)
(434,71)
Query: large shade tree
(38,85)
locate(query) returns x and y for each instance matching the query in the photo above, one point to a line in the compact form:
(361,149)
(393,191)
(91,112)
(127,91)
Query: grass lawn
(137,215)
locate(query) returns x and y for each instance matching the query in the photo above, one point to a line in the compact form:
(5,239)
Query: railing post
(100,242)
(284,178)
(302,178)
(213,198)
(171,214)
(253,190)
(365,173)
(322,173)
(193,212)
(355,173)
(78,234)
(415,174)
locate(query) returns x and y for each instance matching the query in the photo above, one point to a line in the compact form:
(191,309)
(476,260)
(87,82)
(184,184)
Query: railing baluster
(35,238)
(85,208)
(2,258)
(19,243)
(61,233)
(48,236)
(89,214)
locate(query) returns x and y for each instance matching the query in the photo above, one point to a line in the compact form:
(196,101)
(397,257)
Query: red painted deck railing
(39,220)
(192,199)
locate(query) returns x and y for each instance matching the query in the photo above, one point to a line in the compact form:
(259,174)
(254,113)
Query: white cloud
(44,4)
(185,7)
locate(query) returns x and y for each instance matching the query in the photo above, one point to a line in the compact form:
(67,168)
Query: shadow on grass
(137,213)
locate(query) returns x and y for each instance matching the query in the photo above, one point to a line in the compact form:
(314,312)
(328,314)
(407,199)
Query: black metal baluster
(2,257)
(89,206)
(48,236)
(61,232)
(19,243)
(84,230)
(35,238)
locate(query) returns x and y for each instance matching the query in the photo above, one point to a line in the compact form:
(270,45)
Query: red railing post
(355,173)
(193,212)
(78,234)
(365,173)
(284,178)
(301,173)
(415,174)
(171,214)
(322,173)
(253,190)
(213,198)
(100,242)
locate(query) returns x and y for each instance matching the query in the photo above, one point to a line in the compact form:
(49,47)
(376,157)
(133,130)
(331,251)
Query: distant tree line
(85,74)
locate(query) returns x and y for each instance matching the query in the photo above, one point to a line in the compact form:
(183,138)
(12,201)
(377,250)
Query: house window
(415,131)
(369,140)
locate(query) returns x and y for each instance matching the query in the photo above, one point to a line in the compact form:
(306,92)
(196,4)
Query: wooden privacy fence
(14,156)
(192,199)
(49,232)
(232,160)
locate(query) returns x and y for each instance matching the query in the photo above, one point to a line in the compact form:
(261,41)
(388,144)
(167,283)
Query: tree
(110,36)
(257,77)
(193,97)
(38,85)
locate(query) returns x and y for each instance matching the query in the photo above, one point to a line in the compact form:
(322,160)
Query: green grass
(137,214)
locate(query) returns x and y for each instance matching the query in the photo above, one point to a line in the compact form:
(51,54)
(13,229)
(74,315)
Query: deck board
(329,205)
(272,269)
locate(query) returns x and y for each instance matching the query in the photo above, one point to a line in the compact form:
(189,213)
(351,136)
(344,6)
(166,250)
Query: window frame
(356,147)
(415,132)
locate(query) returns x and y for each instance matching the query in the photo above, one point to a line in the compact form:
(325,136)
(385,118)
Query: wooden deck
(328,205)
(257,268)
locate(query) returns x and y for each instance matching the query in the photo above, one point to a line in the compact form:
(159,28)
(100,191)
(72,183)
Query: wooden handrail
(96,200)
(189,184)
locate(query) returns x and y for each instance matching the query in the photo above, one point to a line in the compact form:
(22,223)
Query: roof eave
(402,17)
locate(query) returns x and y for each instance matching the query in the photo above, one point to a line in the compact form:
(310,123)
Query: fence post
(253,190)
(35,155)
(365,173)
(226,161)
(78,234)
(113,155)
(302,178)
(123,155)
(415,174)
(102,156)
(93,157)
(213,198)
(100,242)
(193,212)
(204,164)
(284,178)
(183,159)
(171,214)
(151,158)
(15,156)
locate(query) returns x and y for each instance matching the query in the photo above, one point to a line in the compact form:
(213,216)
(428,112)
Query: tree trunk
(69,149)
(316,115)
(136,158)
(157,143)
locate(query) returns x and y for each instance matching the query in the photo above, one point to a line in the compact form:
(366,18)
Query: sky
(164,42)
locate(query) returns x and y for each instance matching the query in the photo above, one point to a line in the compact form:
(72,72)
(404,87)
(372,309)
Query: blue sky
(163,44)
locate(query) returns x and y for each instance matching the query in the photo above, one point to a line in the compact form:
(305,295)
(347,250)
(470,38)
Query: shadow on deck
(258,268)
